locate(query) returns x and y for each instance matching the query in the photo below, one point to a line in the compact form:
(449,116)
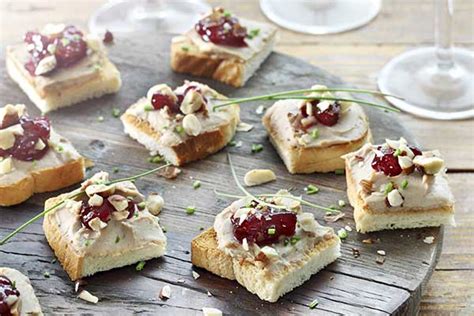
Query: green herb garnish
(253,33)
(271,231)
(388,188)
(256,148)
(342,233)
(179,129)
(196,184)
(140,266)
(46,274)
(313,304)
(100,118)
(185,48)
(190,210)
(115,112)
(117,239)
(339,172)
(294,240)
(155,159)
(404,184)
(311,189)
(314,133)
(148,107)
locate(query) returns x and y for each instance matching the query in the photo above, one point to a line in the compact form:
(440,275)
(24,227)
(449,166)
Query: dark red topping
(388,162)
(103,212)
(328,117)
(222,29)
(256,226)
(6,289)
(70,47)
(108,37)
(159,101)
(24,147)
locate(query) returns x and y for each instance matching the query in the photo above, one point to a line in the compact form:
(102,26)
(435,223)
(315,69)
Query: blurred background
(360,44)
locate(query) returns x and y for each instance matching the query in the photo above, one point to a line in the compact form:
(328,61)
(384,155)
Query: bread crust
(299,159)
(193,148)
(227,69)
(267,285)
(44,180)
(369,220)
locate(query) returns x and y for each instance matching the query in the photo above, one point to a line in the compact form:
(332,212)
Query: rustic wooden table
(357,57)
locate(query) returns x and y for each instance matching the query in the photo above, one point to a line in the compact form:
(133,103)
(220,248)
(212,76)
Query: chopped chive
(14,284)
(140,266)
(163,228)
(100,118)
(65,41)
(311,189)
(271,231)
(117,239)
(141,205)
(404,184)
(313,304)
(87,242)
(341,203)
(46,274)
(397,152)
(155,159)
(190,210)
(185,48)
(115,112)
(339,171)
(179,129)
(294,240)
(334,207)
(196,184)
(253,33)
(232,143)
(256,148)
(388,188)
(115,169)
(227,14)
(148,107)
(342,233)
(59,149)
(315,133)
(286,242)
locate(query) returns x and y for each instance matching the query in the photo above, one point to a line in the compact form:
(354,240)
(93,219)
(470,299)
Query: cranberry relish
(159,100)
(265,226)
(328,117)
(7,288)
(387,161)
(103,212)
(222,29)
(34,130)
(67,46)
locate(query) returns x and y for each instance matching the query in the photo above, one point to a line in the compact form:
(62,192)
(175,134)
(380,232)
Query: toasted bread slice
(230,65)
(27,303)
(179,148)
(308,159)
(84,251)
(268,286)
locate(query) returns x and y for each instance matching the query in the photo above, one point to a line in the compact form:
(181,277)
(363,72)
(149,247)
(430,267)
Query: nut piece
(211,311)
(192,102)
(307,222)
(88,297)
(430,165)
(120,216)
(154,203)
(96,200)
(105,190)
(53,29)
(119,202)
(259,176)
(395,198)
(165,292)
(46,65)
(40,145)
(96,224)
(269,252)
(93,42)
(6,165)
(162,89)
(191,125)
(405,162)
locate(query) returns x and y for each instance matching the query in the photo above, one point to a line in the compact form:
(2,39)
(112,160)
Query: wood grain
(356,56)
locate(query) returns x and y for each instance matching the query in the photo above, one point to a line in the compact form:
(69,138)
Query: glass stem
(443,34)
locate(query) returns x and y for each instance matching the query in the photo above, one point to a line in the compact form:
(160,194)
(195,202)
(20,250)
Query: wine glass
(163,16)
(320,16)
(434,82)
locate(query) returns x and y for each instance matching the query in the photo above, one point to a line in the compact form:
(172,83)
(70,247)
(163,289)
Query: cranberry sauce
(159,101)
(25,147)
(328,117)
(222,29)
(387,162)
(68,47)
(103,212)
(265,227)
(7,288)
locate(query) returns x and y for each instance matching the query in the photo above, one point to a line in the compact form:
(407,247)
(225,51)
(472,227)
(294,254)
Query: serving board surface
(349,286)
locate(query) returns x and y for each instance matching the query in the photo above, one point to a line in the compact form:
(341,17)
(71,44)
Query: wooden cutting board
(349,286)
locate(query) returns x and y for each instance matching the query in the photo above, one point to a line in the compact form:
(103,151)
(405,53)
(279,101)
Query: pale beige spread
(422,191)
(117,235)
(256,44)
(26,303)
(59,153)
(167,125)
(308,233)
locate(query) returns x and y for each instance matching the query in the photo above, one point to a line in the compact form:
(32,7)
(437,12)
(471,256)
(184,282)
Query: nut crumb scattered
(244,127)
(333,218)
(428,240)
(381,252)
(88,297)
(79,283)
(355,252)
(170,172)
(181,281)
(165,292)
(209,294)
(380,260)
(368,241)
(196,275)
(211,311)
(348,228)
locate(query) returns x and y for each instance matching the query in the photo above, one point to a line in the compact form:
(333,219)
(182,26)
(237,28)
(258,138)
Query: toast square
(89,77)
(314,147)
(268,271)
(26,303)
(53,164)
(191,54)
(86,241)
(419,196)
(186,130)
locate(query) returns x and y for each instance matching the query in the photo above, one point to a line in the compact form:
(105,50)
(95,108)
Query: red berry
(6,289)
(387,162)
(330,116)
(222,30)
(108,37)
(103,212)
(159,101)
